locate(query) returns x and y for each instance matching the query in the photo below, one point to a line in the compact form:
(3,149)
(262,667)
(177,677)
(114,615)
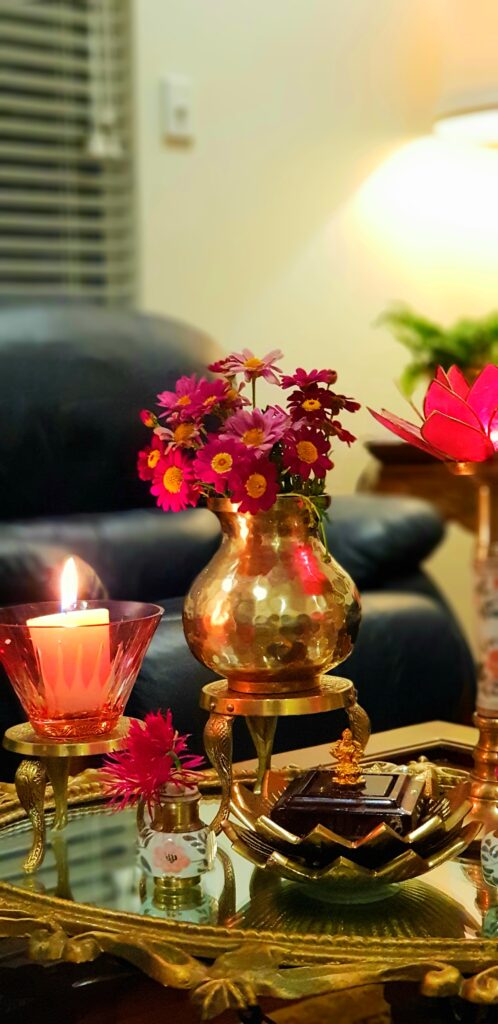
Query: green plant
(469,344)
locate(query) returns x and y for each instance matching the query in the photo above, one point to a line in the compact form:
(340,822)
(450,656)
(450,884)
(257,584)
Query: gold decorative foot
(63,887)
(359,723)
(218,745)
(58,774)
(262,731)
(31,780)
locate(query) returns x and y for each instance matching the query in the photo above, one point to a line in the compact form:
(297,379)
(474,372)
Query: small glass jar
(174,845)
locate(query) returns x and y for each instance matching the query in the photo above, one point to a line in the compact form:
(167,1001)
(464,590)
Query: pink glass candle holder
(73,679)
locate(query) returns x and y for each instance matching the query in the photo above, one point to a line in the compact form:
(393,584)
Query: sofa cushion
(375,537)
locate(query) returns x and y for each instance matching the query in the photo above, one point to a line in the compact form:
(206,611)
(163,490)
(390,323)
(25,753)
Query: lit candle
(73,652)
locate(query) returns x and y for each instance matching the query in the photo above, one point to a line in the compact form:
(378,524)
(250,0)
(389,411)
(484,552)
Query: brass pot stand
(261,713)
(47,760)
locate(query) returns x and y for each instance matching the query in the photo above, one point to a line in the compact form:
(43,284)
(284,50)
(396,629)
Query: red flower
(460,423)
(255,487)
(148,459)
(174,483)
(301,379)
(220,366)
(306,452)
(149,419)
(216,463)
(155,755)
(312,404)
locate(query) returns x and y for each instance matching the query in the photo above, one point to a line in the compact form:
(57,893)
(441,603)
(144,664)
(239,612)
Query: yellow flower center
(222,462)
(307,451)
(311,404)
(183,432)
(153,458)
(253,437)
(184,400)
(256,485)
(173,479)
(210,399)
(253,363)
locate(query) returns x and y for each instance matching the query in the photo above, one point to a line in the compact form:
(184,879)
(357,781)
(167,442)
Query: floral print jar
(174,845)
(489,858)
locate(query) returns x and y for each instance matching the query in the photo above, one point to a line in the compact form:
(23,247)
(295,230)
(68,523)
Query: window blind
(66,201)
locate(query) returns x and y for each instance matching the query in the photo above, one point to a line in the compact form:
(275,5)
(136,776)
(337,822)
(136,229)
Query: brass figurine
(348,753)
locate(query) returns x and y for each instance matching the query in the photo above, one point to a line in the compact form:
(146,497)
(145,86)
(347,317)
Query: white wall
(306,203)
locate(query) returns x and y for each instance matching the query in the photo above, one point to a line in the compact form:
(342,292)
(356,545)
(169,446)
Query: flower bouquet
(156,773)
(272,610)
(211,439)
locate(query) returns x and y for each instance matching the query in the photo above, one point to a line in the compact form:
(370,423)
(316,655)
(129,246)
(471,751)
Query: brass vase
(272,611)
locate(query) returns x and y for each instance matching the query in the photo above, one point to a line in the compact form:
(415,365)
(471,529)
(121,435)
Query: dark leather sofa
(72,382)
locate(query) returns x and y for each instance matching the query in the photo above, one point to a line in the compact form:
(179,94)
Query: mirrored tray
(90,896)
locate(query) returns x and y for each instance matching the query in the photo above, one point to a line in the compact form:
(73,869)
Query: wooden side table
(397,468)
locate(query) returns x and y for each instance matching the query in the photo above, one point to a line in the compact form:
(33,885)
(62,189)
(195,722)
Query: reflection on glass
(95,862)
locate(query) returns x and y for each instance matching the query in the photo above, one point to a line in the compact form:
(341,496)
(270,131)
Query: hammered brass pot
(272,611)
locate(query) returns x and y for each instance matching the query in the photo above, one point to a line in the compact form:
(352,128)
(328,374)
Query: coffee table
(89,897)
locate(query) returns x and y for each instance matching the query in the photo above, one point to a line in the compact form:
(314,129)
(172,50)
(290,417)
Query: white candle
(73,652)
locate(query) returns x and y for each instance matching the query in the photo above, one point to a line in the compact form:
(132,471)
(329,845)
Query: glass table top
(94,861)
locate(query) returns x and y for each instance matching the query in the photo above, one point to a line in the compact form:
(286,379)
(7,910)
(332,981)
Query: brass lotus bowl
(272,611)
(354,870)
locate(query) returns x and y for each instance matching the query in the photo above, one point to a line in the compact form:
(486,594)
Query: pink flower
(256,429)
(252,367)
(174,485)
(301,379)
(154,756)
(255,487)
(181,399)
(460,423)
(180,435)
(210,394)
(306,452)
(148,459)
(217,461)
(170,858)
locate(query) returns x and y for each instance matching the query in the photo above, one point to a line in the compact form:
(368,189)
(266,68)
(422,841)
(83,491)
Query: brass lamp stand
(46,760)
(261,714)
(483,780)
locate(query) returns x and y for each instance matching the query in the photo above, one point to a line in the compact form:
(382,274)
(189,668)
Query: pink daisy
(306,452)
(301,379)
(184,434)
(181,400)
(148,459)
(210,394)
(255,487)
(256,429)
(174,485)
(217,462)
(252,367)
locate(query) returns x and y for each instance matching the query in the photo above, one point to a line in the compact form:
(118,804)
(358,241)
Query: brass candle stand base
(45,761)
(261,714)
(483,780)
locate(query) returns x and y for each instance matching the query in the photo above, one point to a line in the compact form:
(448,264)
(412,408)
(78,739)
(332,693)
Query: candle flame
(69,585)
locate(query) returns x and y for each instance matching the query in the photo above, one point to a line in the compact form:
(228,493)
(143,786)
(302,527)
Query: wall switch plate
(177,108)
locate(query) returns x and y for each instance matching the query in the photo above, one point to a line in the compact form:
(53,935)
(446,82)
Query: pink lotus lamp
(460,425)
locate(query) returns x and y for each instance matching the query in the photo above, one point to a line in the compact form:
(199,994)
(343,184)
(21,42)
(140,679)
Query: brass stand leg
(483,780)
(262,731)
(31,780)
(63,888)
(359,723)
(58,774)
(218,745)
